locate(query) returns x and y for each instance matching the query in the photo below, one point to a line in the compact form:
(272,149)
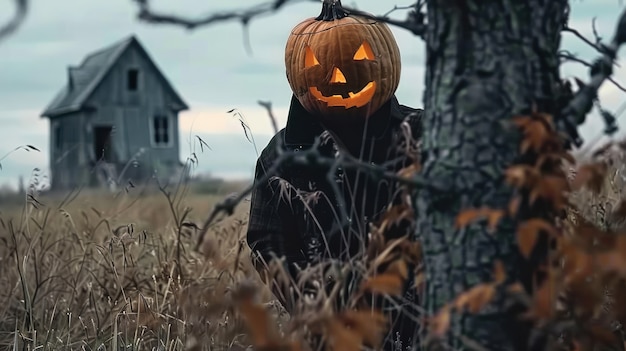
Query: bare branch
(567,56)
(575,112)
(598,47)
(147,14)
(415,21)
(595,31)
(21,9)
(268,107)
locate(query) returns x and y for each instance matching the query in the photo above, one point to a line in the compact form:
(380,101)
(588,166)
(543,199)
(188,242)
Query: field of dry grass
(106,271)
(110,271)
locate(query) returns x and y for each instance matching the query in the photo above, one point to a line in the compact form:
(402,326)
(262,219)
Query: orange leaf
(544,299)
(514,205)
(538,131)
(440,323)
(552,189)
(370,326)
(398,267)
(409,171)
(528,232)
(390,284)
(257,321)
(420,279)
(256,318)
(499,273)
(467,216)
(591,176)
(516,288)
(493,218)
(475,298)
(520,176)
(615,259)
(342,338)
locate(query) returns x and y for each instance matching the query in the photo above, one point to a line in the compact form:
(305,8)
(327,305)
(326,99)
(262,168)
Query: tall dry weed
(105,271)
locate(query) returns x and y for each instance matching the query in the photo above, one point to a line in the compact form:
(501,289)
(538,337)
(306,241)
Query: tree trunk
(487,60)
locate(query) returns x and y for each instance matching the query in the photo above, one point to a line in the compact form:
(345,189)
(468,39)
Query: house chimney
(70,81)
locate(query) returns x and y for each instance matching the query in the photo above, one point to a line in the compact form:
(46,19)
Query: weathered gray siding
(68,150)
(131,112)
(99,88)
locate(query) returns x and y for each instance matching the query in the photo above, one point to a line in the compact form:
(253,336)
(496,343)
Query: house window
(132,79)
(161,130)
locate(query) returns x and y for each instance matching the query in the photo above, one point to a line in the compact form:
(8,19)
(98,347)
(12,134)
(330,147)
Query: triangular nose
(337,76)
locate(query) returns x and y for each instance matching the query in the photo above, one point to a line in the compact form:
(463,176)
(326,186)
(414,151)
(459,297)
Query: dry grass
(103,271)
(598,206)
(108,272)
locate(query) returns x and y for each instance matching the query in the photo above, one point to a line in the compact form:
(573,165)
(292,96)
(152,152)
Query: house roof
(91,72)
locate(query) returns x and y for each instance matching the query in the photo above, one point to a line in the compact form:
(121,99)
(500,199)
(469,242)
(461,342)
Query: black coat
(296,214)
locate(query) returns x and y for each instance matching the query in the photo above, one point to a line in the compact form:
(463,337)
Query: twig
(598,47)
(575,112)
(268,107)
(396,8)
(571,57)
(21,9)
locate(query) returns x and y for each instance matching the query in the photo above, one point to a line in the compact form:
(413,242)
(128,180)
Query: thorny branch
(21,8)
(415,21)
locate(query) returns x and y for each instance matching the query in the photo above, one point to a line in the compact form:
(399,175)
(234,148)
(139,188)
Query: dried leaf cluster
(359,322)
(577,265)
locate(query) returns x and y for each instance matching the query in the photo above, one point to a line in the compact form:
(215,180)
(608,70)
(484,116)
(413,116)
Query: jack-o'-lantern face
(342,67)
(337,83)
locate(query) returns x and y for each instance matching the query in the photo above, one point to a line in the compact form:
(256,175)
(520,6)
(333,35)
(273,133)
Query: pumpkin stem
(332,10)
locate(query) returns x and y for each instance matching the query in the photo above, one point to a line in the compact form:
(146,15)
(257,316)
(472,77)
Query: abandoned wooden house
(114,121)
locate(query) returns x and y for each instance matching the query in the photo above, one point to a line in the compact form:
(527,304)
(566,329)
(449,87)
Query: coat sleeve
(265,229)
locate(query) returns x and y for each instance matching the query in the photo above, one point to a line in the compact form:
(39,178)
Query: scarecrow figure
(343,70)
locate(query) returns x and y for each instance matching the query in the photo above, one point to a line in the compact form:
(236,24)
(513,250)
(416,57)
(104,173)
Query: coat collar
(302,127)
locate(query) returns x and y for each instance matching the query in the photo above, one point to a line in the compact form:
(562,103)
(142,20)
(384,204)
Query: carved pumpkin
(342,65)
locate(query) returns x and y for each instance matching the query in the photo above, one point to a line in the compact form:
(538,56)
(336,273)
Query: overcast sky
(209,67)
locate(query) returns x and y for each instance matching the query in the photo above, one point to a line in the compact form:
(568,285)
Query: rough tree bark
(486,62)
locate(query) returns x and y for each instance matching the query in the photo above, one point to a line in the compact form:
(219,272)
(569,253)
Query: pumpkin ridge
(335,25)
(366,84)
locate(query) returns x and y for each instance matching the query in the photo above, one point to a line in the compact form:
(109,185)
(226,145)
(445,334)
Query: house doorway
(102,143)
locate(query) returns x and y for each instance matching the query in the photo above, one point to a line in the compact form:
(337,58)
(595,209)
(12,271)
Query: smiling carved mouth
(354,100)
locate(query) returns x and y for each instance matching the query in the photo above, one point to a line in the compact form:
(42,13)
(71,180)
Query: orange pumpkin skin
(342,68)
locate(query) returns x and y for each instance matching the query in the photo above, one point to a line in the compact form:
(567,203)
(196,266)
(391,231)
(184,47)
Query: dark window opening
(102,143)
(133,79)
(161,130)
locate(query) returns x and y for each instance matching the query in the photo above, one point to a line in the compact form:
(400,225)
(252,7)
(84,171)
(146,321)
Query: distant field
(100,271)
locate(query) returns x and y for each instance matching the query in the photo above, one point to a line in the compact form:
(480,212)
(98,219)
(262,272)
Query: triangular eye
(309,58)
(364,52)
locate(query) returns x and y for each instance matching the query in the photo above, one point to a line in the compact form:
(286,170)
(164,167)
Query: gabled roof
(85,78)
